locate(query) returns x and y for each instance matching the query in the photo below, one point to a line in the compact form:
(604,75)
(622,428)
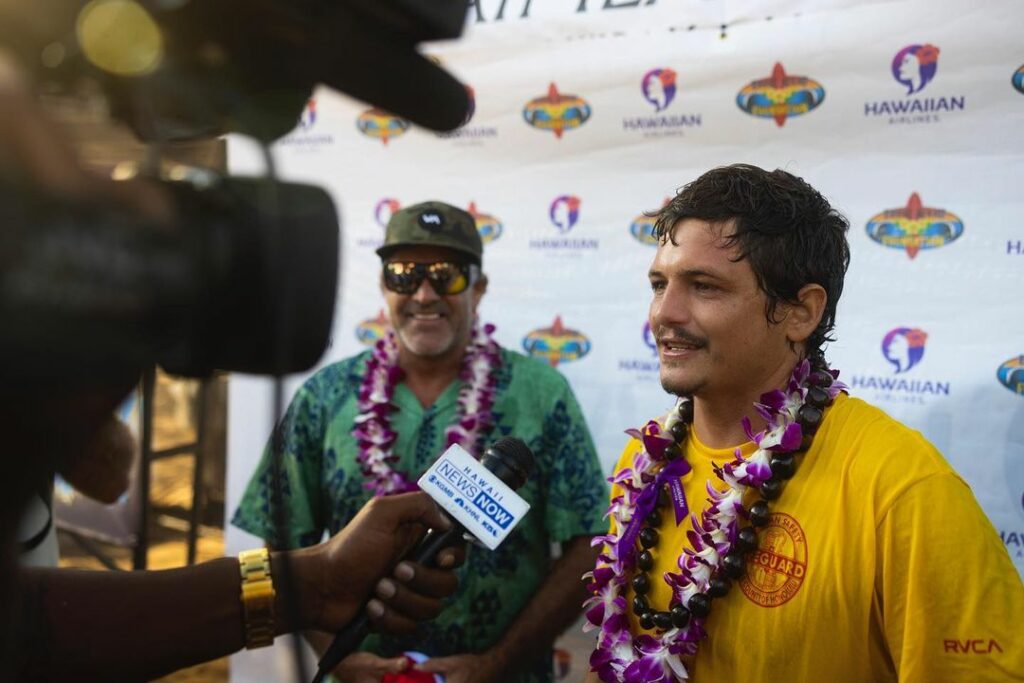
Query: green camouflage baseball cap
(433,224)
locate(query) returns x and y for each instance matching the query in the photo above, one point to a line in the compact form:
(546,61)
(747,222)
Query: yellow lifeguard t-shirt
(877,565)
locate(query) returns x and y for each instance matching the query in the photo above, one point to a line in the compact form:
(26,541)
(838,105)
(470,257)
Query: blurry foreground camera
(182,69)
(244,280)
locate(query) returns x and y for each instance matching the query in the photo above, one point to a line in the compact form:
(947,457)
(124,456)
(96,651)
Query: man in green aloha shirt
(448,382)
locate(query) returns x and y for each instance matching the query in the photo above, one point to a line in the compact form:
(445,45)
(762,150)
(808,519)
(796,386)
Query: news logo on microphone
(474,496)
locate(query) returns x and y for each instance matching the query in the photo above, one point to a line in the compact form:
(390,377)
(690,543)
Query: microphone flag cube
(474,496)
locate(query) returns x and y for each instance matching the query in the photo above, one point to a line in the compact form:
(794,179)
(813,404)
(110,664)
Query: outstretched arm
(84,625)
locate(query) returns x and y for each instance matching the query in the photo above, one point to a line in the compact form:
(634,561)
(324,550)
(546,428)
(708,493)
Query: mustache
(428,309)
(678,334)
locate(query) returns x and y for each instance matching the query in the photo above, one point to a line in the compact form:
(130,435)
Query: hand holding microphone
(336,578)
(479,498)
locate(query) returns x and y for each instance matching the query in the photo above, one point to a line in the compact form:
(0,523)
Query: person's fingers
(395,665)
(406,602)
(392,513)
(437,665)
(450,558)
(387,620)
(419,507)
(367,664)
(428,581)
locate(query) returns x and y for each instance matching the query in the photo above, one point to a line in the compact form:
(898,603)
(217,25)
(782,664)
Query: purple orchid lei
(473,416)
(619,657)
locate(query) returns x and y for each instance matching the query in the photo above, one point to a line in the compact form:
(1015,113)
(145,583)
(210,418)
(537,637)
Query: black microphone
(378,60)
(509,459)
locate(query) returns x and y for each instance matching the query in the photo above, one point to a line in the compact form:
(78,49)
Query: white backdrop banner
(590,112)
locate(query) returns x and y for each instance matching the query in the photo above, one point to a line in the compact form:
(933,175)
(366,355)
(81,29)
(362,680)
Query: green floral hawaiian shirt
(323,489)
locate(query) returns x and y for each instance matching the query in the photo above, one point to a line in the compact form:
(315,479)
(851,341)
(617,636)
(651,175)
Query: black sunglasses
(447,278)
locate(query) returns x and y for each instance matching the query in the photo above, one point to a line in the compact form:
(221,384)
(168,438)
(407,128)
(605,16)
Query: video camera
(245,278)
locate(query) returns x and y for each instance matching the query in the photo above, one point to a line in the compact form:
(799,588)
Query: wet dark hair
(788,232)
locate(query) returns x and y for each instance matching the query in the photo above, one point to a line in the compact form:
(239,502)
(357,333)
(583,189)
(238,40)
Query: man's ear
(803,316)
(479,289)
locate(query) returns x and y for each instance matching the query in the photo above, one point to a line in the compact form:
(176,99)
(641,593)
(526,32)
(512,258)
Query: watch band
(257,597)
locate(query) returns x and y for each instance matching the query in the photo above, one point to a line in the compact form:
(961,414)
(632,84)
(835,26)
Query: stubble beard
(455,340)
(426,348)
(680,386)
(683,388)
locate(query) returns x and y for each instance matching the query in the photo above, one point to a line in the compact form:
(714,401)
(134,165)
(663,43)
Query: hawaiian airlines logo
(372,329)
(915,65)
(556,112)
(643,368)
(904,347)
(780,96)
(649,339)
(659,88)
(1013,540)
(467,134)
(915,227)
(564,212)
(489,227)
(384,209)
(308,117)
(379,124)
(304,136)
(556,344)
(382,212)
(1011,375)
(1018,79)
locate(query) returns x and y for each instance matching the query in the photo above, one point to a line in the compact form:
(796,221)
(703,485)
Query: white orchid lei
(619,657)
(473,416)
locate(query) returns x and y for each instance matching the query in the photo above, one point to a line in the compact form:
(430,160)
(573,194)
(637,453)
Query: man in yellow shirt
(771,528)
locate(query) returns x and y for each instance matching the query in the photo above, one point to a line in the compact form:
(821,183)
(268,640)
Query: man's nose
(425,294)
(672,308)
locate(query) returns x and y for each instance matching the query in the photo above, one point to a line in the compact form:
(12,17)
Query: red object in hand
(410,675)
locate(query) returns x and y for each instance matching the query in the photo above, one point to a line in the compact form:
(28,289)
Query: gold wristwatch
(257,597)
